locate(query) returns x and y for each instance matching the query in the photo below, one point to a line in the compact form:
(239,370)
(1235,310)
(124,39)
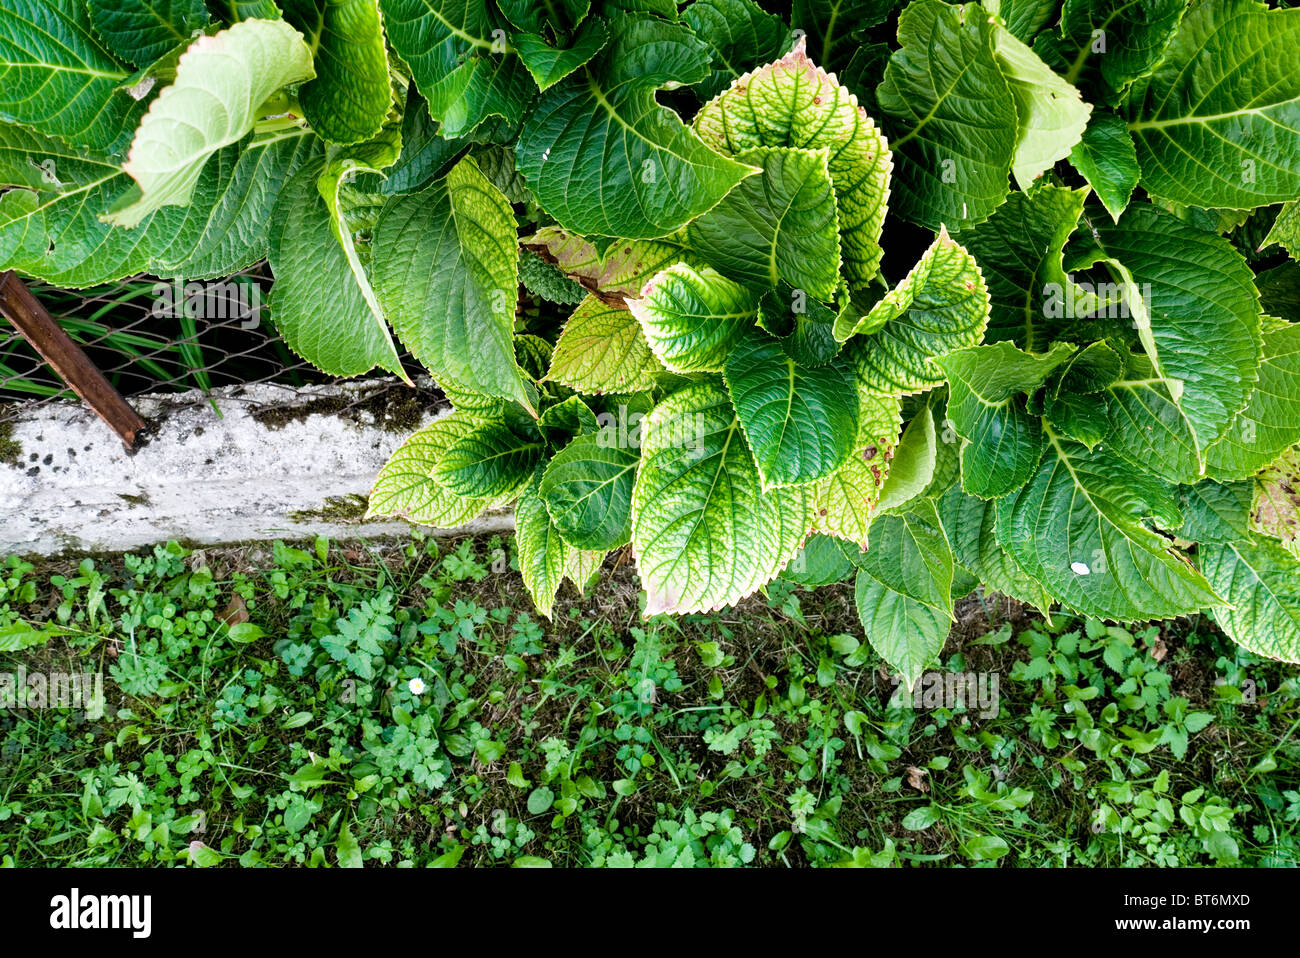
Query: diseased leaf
(604,158)
(1275,509)
(602,350)
(704,531)
(801,423)
(794,104)
(847,502)
(692,319)
(491,461)
(941,305)
(221,82)
(406,487)
(619,271)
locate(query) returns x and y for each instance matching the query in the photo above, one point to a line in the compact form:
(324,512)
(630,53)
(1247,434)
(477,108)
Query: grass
(344,704)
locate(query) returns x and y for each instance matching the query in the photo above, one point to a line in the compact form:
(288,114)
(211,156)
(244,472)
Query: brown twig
(66,358)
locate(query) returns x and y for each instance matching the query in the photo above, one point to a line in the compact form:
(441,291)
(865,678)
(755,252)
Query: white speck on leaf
(1080,568)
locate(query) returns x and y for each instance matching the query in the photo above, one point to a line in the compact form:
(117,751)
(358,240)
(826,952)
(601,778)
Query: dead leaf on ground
(235,612)
(916,778)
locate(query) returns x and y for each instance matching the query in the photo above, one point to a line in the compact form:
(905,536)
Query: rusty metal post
(66,358)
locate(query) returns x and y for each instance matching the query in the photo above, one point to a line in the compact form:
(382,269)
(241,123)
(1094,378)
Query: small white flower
(416,686)
(1080,568)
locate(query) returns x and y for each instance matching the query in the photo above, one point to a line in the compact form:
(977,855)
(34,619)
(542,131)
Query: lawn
(402,704)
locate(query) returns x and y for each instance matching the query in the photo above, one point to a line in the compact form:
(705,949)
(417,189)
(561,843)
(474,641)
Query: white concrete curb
(202,478)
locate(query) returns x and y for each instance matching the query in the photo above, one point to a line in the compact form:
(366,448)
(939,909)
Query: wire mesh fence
(167,336)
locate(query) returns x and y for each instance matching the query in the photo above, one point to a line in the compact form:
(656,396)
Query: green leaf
(907,634)
(544,557)
(971,526)
(588,491)
(1102,46)
(847,502)
(49,223)
(425,154)
(1286,230)
(741,35)
(564,420)
(781,225)
(1024,18)
(47,48)
(1271,420)
(221,82)
(820,562)
(405,486)
(348,851)
(941,305)
(141,31)
(705,533)
(446,273)
(1051,114)
(956,158)
(491,461)
(548,65)
(20,635)
(1260,584)
(831,26)
(1077,528)
(1215,512)
(316,303)
(692,319)
(1108,161)
(601,349)
(351,95)
(794,104)
(603,157)
(987,408)
(1019,250)
(909,555)
(617,272)
(1075,403)
(1217,124)
(801,423)
(1197,313)
(458,58)
(226,227)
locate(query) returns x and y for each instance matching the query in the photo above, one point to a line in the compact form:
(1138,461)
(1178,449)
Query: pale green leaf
(549,65)
(847,502)
(221,81)
(793,103)
(691,319)
(941,305)
(1260,584)
(601,349)
(405,487)
(907,634)
(491,461)
(705,533)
